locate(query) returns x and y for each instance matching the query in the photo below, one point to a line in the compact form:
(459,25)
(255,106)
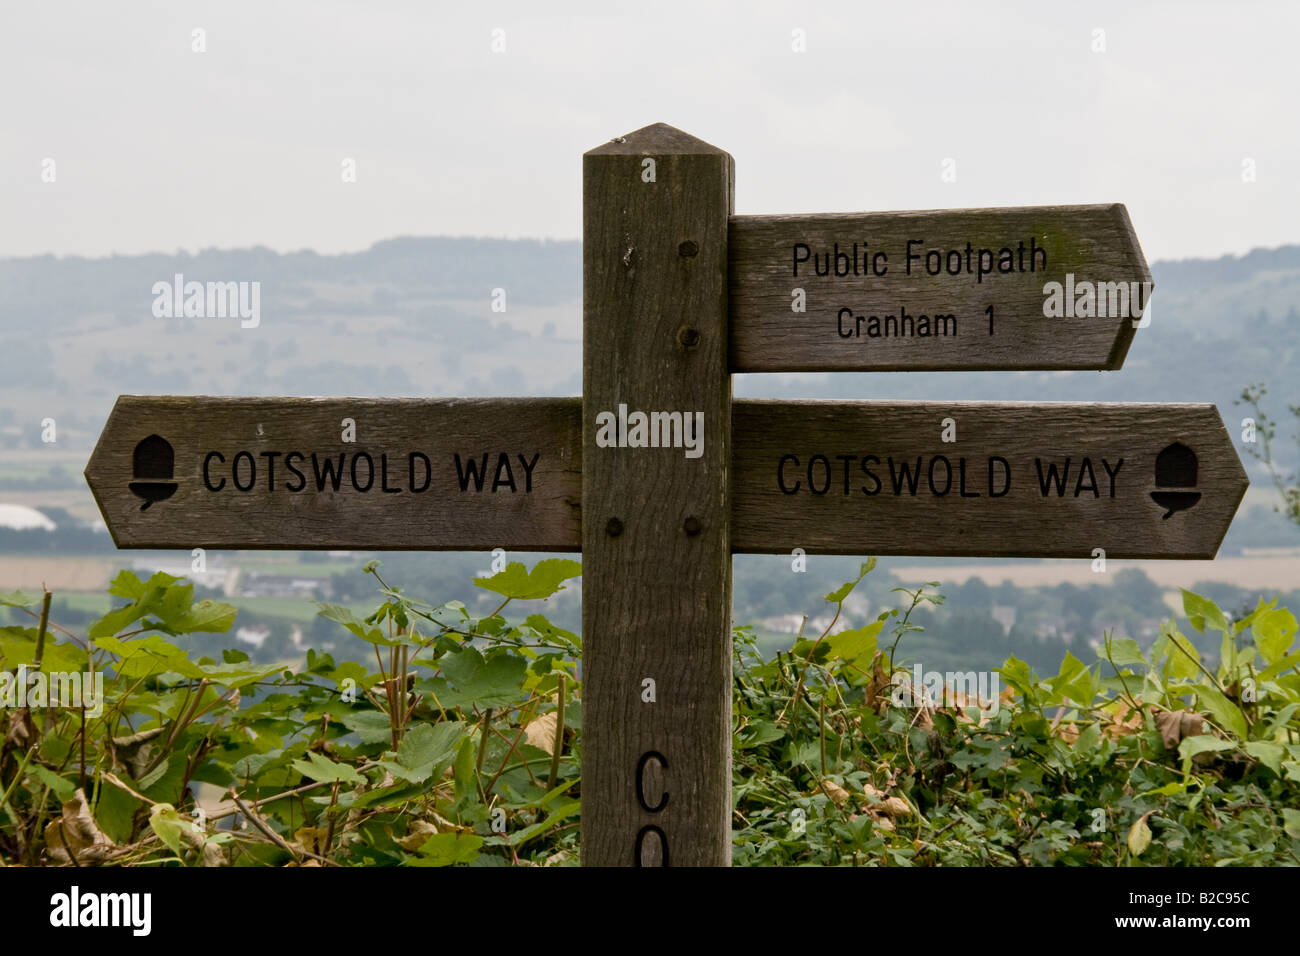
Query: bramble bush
(462,742)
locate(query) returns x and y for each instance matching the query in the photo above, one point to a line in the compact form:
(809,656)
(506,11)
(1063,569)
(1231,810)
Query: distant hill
(414,316)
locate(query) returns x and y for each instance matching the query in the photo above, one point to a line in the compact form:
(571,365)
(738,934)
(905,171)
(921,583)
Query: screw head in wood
(691,525)
(688,249)
(688,337)
(613,527)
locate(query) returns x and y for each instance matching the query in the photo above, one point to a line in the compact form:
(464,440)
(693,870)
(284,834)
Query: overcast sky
(157,147)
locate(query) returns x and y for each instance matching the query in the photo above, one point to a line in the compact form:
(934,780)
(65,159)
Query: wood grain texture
(1020,523)
(656,598)
(1096,243)
(419,514)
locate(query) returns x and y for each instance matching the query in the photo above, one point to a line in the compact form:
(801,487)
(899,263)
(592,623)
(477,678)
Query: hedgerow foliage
(462,743)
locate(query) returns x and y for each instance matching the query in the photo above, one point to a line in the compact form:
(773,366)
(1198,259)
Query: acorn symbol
(1175,468)
(154,464)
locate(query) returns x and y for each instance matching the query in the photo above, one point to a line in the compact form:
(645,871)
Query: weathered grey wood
(656,557)
(1022,523)
(763,519)
(1095,243)
(439,517)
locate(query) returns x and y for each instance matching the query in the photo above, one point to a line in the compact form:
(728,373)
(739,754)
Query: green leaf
(149,657)
(1291,822)
(550,633)
(448,849)
(759,732)
(63,789)
(1139,835)
(324,770)
(492,682)
(1203,743)
(426,749)
(1123,650)
(1182,653)
(372,726)
(154,775)
(1223,711)
(167,823)
(18,599)
(205,617)
(127,585)
(1200,611)
(840,593)
(18,646)
(1267,753)
(342,615)
(852,644)
(117,620)
(519,583)
(1274,633)
(1017,673)
(465,774)
(560,813)
(1280,667)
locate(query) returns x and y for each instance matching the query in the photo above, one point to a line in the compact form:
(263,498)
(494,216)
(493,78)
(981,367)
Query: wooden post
(656,761)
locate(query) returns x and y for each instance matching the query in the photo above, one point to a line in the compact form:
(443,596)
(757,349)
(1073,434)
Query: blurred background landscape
(413,317)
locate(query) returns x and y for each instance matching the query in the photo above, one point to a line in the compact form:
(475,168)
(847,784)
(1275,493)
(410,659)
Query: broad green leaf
(149,656)
(465,774)
(324,770)
(448,849)
(1222,711)
(117,620)
(63,789)
(1203,743)
(167,823)
(492,682)
(550,633)
(18,646)
(1275,631)
(1280,720)
(342,615)
(1017,673)
(205,617)
(127,585)
(1200,611)
(542,581)
(1291,822)
(1139,835)
(560,813)
(759,732)
(372,726)
(154,775)
(19,599)
(1123,650)
(1280,667)
(427,749)
(1089,739)
(1267,753)
(1182,654)
(850,645)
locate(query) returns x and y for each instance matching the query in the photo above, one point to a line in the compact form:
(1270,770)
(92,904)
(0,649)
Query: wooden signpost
(329,473)
(1039,287)
(658,477)
(1016,479)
